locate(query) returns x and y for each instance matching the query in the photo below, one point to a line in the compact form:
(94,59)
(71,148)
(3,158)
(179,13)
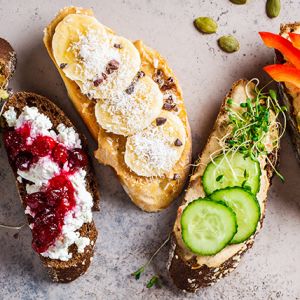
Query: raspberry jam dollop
(47,207)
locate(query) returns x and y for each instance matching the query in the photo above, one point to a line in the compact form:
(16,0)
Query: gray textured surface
(271,269)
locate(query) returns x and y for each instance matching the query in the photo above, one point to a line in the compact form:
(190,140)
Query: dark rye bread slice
(8,62)
(187,275)
(61,271)
(285,96)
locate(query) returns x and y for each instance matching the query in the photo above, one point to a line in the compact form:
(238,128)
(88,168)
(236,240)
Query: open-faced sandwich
(55,181)
(131,102)
(286,71)
(224,205)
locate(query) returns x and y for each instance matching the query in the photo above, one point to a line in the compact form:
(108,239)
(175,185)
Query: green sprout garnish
(252,125)
(155,279)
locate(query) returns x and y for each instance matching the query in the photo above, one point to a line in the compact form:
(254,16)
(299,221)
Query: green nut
(228,43)
(238,1)
(273,8)
(206,25)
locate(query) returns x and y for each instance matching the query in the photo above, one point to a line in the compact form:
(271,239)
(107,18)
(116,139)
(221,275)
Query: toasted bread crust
(286,98)
(61,271)
(8,62)
(150,194)
(187,275)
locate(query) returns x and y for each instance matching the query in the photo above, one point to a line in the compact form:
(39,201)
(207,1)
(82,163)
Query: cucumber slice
(232,170)
(207,226)
(246,208)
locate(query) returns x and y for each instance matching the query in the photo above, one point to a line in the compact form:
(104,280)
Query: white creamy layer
(44,169)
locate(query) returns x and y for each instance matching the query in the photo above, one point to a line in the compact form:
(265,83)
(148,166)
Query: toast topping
(152,152)
(52,164)
(89,51)
(127,113)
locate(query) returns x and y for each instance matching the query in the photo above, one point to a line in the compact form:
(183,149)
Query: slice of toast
(8,62)
(189,271)
(149,193)
(60,271)
(289,97)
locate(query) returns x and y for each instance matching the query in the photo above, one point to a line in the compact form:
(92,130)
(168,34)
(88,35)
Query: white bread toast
(149,193)
(189,271)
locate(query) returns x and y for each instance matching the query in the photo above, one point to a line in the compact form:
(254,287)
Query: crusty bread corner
(8,62)
(150,194)
(287,99)
(61,271)
(188,274)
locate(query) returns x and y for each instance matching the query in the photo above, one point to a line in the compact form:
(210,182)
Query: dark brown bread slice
(287,98)
(61,271)
(185,274)
(8,62)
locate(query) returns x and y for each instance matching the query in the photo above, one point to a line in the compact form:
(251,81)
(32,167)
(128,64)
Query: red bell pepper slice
(295,38)
(290,53)
(284,73)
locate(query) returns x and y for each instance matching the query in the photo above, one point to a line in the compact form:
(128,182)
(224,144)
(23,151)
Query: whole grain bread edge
(184,274)
(61,271)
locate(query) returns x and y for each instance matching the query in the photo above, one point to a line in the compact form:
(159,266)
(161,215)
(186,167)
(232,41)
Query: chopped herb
(220,177)
(229,101)
(137,273)
(153,281)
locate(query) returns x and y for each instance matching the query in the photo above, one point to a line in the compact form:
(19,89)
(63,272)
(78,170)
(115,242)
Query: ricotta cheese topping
(45,169)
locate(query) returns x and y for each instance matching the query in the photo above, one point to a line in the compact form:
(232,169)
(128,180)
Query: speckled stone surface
(128,236)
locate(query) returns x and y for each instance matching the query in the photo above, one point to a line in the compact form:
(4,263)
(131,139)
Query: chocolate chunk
(178,143)
(175,107)
(63,65)
(176,176)
(170,79)
(167,106)
(159,72)
(140,74)
(118,46)
(160,121)
(170,99)
(112,66)
(130,89)
(98,81)
(104,76)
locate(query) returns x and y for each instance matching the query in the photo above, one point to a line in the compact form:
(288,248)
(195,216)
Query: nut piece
(228,43)
(206,25)
(238,1)
(273,8)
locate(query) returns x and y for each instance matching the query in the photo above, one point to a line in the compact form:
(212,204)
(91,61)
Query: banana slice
(155,150)
(132,110)
(98,61)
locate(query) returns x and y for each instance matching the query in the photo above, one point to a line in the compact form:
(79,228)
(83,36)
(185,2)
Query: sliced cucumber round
(246,208)
(207,226)
(232,170)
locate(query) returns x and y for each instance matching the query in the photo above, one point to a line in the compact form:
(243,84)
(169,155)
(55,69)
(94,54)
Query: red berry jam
(49,206)
(47,226)
(42,146)
(60,154)
(77,159)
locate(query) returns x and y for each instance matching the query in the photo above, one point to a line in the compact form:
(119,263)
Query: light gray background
(128,236)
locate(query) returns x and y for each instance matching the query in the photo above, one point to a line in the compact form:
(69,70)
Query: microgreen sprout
(155,279)
(253,125)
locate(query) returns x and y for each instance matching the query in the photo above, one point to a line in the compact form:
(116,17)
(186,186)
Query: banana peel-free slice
(155,150)
(97,60)
(126,113)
